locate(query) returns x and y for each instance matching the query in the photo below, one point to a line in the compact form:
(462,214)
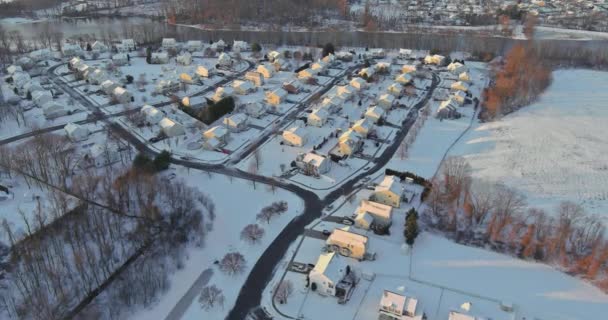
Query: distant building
(388,192)
(276,97)
(295,136)
(457,68)
(76,132)
(169,44)
(159,58)
(184,59)
(434,59)
(151,114)
(395,306)
(408,68)
(127,45)
(318,117)
(362,127)
(171,128)
(224,60)
(236,122)
(194,45)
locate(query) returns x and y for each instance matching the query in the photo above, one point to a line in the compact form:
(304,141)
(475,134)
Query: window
(330,285)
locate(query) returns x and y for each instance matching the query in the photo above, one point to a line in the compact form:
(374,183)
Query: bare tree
(232,263)
(210,297)
(282,291)
(252,233)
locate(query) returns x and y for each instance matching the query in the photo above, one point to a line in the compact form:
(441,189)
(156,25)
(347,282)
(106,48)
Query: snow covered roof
(397,303)
(168,41)
(330,265)
(236,119)
(448,104)
(243,85)
(71,128)
(375,208)
(314,159)
(396,87)
(363,124)
(389,183)
(13,69)
(455,315)
(216,132)
(349,135)
(345,236)
(320,113)
(280,92)
(359,81)
(167,123)
(387,97)
(404,78)
(375,112)
(297,131)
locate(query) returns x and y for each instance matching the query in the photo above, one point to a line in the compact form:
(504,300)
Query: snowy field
(232,216)
(553,150)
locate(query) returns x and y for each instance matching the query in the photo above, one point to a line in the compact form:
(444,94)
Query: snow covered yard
(553,150)
(231,217)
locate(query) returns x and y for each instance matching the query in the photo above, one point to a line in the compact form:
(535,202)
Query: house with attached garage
(240,46)
(102,155)
(224,60)
(40,98)
(313,164)
(317,117)
(267,70)
(329,271)
(295,136)
(386,101)
(151,114)
(388,192)
(184,59)
(169,44)
(255,77)
(108,86)
(344,56)
(404,78)
(457,68)
(381,215)
(382,67)
(367,72)
(236,122)
(459,97)
(254,109)
(459,85)
(329,59)
(434,59)
(447,109)
(396,89)
(349,244)
(305,74)
(76,132)
(194,45)
(332,103)
(396,306)
(202,72)
(242,87)
(222,92)
(358,83)
(362,127)
(166,86)
(276,97)
(318,67)
(52,110)
(97,76)
(274,55)
(171,128)
(220,133)
(408,68)
(122,95)
(464,77)
(405,53)
(350,142)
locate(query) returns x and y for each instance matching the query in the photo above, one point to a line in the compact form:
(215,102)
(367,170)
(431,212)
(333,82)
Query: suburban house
(224,60)
(267,70)
(222,92)
(349,142)
(305,74)
(108,86)
(194,45)
(75,63)
(388,192)
(375,213)
(313,164)
(151,114)
(464,77)
(327,275)
(459,85)
(447,109)
(345,92)
(71,50)
(97,76)
(329,59)
(408,68)
(396,89)
(455,315)
(127,44)
(167,86)
(242,87)
(185,78)
(386,101)
(378,53)
(344,56)
(81,70)
(295,136)
(276,97)
(218,46)
(318,67)
(240,46)
(41,55)
(236,122)
(32,86)
(40,98)
(99,47)
(367,72)
(184,59)
(280,64)
(358,83)
(434,59)
(457,68)
(396,306)
(76,132)
(12,69)
(20,79)
(169,44)
(318,117)
(102,155)
(349,244)
(405,53)
(255,77)
(459,96)
(218,132)
(274,55)
(374,114)
(382,67)
(404,78)
(25,62)
(332,103)
(292,86)
(362,127)
(171,128)
(211,144)
(53,110)
(122,95)
(202,72)
(159,58)
(254,109)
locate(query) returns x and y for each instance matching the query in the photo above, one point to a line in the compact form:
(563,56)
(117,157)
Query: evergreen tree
(411,227)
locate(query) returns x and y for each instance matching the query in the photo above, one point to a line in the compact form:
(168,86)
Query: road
(180,308)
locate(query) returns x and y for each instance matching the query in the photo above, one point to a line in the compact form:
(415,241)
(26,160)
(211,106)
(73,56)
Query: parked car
(348,221)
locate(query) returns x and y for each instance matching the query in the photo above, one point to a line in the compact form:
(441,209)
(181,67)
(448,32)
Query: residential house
(295,136)
(318,67)
(363,127)
(305,74)
(344,56)
(240,46)
(242,87)
(464,77)
(202,72)
(122,95)
(447,109)
(457,68)
(459,85)
(127,45)
(159,58)
(276,97)
(42,97)
(97,76)
(166,86)
(267,70)
(318,117)
(367,73)
(184,59)
(171,128)
(313,164)
(82,70)
(108,86)
(292,86)
(388,192)
(31,86)
(404,78)
(396,306)
(332,103)
(169,44)
(41,55)
(222,92)
(408,68)
(274,55)
(220,133)
(71,50)
(185,78)
(382,67)
(218,46)
(405,53)
(103,155)
(76,132)
(212,144)
(20,79)
(74,63)
(151,114)
(12,69)
(381,215)
(378,53)
(386,101)
(329,59)
(224,60)
(459,97)
(396,89)
(194,45)
(434,59)
(255,77)
(99,47)
(236,122)
(327,274)
(349,142)
(52,110)
(348,244)
(358,83)
(254,109)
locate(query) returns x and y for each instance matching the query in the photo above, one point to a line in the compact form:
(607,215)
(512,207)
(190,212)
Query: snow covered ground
(553,150)
(232,216)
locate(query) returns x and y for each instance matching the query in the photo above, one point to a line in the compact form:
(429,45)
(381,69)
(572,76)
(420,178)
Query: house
(464,77)
(166,86)
(349,142)
(386,101)
(52,110)
(242,87)
(12,69)
(383,67)
(381,214)
(408,68)
(459,85)
(276,97)
(332,103)
(455,315)
(396,306)
(76,132)
(224,60)
(202,72)
(459,97)
(327,274)
(194,45)
(329,59)
(169,44)
(41,55)
(267,70)
(42,97)
(313,164)
(388,192)
(274,55)
(82,70)
(305,74)
(218,46)
(97,76)
(218,132)
(358,83)
(254,109)
(318,117)
(292,86)
(367,72)
(404,78)
(318,67)
(171,128)
(222,92)
(236,122)
(212,144)
(447,109)
(31,86)
(151,114)
(240,46)
(280,64)
(434,59)
(374,114)
(457,68)
(159,58)
(378,53)
(20,79)
(74,63)
(405,53)
(99,47)
(71,50)
(396,89)
(255,77)
(184,59)
(185,78)
(343,92)
(348,244)
(25,62)
(295,136)
(103,155)
(362,127)
(127,44)
(108,86)
(344,56)
(122,95)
